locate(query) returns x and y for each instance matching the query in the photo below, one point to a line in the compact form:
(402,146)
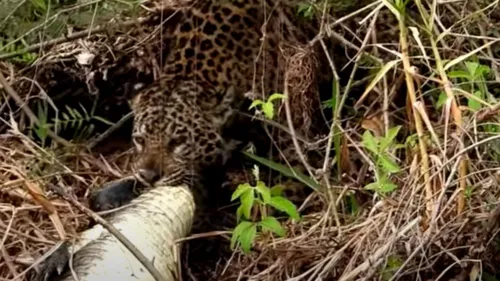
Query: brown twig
(30,113)
(292,129)
(377,255)
(131,247)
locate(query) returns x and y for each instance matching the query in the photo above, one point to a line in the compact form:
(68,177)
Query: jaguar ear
(230,91)
(133,102)
(132,93)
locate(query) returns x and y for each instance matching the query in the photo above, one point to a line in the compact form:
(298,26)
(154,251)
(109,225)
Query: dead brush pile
(408,168)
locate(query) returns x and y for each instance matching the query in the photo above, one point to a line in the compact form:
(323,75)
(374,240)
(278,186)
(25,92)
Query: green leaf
(468,191)
(393,264)
(389,138)
(65,116)
(387,187)
(458,74)
(105,121)
(465,56)
(373,186)
(305,10)
(285,170)
(70,111)
(77,113)
(441,100)
(284,205)
(472,68)
(275,96)
(472,103)
(353,204)
(277,190)
(87,116)
(242,188)
(388,164)
(398,146)
(489,277)
(380,74)
(40,4)
(239,213)
(273,225)
(264,191)
(369,142)
(238,230)
(246,238)
(41,132)
(330,103)
(268,109)
(42,113)
(247,203)
(411,140)
(255,103)
(482,71)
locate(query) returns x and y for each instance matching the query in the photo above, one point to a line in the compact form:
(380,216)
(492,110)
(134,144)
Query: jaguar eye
(139,142)
(178,145)
(180,149)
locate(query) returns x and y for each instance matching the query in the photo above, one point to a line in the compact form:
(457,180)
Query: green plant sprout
(305,10)
(80,121)
(259,198)
(470,77)
(391,267)
(384,164)
(267,107)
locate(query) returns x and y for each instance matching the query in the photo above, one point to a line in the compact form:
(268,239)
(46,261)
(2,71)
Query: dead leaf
(345,163)
(374,124)
(85,58)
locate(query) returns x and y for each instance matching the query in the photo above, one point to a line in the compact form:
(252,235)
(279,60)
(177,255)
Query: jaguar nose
(149,175)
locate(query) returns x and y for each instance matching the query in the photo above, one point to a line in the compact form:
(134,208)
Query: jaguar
(221,53)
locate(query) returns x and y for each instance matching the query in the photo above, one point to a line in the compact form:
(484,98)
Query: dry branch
(417,118)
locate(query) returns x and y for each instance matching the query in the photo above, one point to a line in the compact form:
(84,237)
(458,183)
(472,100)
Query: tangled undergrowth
(406,174)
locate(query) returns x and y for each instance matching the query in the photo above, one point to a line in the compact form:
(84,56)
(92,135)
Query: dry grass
(33,219)
(440,223)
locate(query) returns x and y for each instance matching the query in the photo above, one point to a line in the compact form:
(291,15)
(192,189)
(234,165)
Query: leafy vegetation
(471,77)
(267,107)
(380,148)
(259,198)
(78,120)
